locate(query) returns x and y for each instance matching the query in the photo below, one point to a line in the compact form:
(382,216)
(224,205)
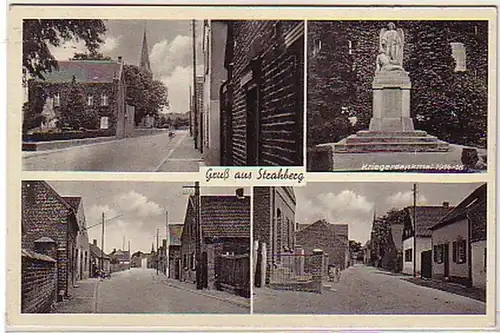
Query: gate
(232,273)
(426,264)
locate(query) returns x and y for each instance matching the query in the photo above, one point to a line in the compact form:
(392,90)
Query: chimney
(446,204)
(120,59)
(240,193)
(94,242)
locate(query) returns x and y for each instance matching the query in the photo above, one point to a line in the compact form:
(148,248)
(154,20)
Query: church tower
(144,62)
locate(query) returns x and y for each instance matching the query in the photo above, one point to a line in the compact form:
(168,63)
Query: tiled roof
(225,216)
(73,201)
(427,216)
(96,251)
(175,231)
(339,231)
(463,207)
(120,255)
(85,71)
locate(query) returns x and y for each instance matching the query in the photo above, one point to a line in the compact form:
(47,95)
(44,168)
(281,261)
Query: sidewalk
(82,300)
(182,157)
(216,294)
(454,288)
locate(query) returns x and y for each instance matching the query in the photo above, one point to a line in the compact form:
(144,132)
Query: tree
(354,246)
(38,35)
(147,95)
(73,107)
(92,55)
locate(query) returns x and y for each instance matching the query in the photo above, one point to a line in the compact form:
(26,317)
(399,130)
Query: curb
(94,307)
(247,306)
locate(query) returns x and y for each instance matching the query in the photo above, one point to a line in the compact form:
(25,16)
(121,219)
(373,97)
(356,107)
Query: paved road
(141,291)
(141,154)
(365,290)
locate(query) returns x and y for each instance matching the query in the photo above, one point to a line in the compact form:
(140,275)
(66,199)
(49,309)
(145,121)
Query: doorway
(446,251)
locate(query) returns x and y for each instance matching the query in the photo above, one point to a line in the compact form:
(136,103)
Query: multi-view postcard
(153,150)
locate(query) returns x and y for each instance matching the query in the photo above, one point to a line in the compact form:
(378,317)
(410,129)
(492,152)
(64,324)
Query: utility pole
(157,250)
(195,97)
(167,245)
(190,112)
(414,230)
(197,198)
(102,243)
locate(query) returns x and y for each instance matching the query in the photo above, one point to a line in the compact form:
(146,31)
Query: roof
(339,231)
(96,251)
(225,216)
(120,254)
(73,201)
(175,232)
(86,71)
(427,216)
(463,208)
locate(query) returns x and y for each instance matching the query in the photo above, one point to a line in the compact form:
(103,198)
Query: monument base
(382,141)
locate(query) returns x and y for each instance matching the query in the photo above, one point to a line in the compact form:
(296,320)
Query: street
(143,291)
(151,153)
(366,290)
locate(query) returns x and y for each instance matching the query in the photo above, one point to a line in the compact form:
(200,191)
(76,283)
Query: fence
(232,273)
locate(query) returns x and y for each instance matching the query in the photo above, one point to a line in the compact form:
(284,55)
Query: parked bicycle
(333,273)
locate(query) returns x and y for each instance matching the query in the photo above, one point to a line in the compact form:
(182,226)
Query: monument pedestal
(391,127)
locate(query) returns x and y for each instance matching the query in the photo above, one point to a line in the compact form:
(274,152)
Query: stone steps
(390,139)
(380,146)
(396,134)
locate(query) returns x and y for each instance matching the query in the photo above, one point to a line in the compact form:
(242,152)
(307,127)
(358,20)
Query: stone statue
(391,44)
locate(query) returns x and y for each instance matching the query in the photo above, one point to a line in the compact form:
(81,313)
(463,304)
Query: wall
(448,234)
(44,215)
(407,265)
(279,80)
(478,264)
(38,283)
(82,244)
(283,227)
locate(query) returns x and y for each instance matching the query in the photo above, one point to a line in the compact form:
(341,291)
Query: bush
(66,135)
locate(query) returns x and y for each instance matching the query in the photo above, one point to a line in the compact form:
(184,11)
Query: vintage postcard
(220,167)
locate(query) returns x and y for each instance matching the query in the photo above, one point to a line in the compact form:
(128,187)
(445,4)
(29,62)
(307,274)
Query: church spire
(144,63)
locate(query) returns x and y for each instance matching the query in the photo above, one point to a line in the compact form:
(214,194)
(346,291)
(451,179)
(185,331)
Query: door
(446,255)
(253,126)
(426,264)
(204,269)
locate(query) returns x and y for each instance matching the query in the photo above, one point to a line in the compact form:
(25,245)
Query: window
(459,252)
(57,100)
(458,53)
(438,252)
(193,261)
(90,100)
(409,255)
(104,123)
(316,46)
(104,100)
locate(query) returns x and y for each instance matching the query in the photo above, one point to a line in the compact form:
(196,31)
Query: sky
(170,52)
(141,207)
(354,203)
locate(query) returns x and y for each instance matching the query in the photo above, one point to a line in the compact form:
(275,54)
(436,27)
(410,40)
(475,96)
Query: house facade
(273,224)
(459,242)
(103,85)
(82,251)
(174,251)
(333,239)
(50,227)
(417,237)
(98,260)
(225,231)
(261,101)
(120,260)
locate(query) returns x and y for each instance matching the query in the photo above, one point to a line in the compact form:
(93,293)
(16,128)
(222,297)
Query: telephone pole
(167,245)
(197,197)
(190,112)
(195,97)
(414,230)
(157,250)
(102,243)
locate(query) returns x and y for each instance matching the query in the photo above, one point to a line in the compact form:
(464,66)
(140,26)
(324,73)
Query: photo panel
(399,95)
(100,247)
(161,95)
(371,248)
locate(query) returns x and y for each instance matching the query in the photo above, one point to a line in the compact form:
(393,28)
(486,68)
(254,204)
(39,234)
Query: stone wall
(268,71)
(38,283)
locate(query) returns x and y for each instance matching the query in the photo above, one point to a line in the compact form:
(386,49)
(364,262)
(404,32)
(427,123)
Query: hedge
(67,135)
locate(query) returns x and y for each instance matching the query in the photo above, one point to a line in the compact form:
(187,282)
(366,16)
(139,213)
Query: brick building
(333,239)
(259,93)
(225,230)
(273,224)
(459,250)
(82,251)
(120,260)
(174,251)
(104,87)
(50,228)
